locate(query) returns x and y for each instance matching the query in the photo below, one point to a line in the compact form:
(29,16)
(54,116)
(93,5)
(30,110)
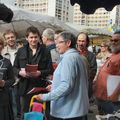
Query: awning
(89,6)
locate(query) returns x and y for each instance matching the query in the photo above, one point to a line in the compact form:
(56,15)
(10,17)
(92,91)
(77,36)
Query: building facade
(63,10)
(60,9)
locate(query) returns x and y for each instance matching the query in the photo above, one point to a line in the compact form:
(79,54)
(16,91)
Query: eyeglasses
(59,42)
(114,40)
(103,46)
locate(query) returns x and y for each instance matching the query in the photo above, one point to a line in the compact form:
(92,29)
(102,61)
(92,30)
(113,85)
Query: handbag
(36,110)
(33,116)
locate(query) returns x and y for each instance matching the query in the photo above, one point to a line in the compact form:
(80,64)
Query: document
(31,68)
(112,83)
(37,89)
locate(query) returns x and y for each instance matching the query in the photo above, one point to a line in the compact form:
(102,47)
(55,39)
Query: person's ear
(26,38)
(69,43)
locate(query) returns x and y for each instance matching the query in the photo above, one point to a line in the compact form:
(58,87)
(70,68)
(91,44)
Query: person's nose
(10,38)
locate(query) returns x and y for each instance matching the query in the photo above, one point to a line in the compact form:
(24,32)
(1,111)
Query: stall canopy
(22,19)
(89,6)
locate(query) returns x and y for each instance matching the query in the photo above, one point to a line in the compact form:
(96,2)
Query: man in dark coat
(33,53)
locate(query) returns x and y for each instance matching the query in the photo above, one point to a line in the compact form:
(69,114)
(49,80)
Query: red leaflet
(37,89)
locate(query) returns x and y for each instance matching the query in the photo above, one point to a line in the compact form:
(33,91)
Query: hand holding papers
(113,85)
(31,68)
(41,89)
(37,90)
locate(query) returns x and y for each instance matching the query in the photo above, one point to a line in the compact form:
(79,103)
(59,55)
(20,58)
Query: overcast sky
(12,2)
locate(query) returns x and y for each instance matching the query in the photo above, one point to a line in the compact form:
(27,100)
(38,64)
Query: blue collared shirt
(69,94)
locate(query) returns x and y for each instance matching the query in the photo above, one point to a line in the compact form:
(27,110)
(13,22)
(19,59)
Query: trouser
(107,107)
(76,118)
(13,94)
(47,111)
(18,104)
(25,102)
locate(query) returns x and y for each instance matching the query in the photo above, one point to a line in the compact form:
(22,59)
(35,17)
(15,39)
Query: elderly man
(106,103)
(48,40)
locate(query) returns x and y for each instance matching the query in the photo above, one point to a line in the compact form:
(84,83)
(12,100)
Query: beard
(115,49)
(82,47)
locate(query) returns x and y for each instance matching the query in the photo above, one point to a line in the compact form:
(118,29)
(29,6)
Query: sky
(11,2)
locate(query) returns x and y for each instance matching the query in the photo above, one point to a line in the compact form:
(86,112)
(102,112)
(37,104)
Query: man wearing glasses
(110,71)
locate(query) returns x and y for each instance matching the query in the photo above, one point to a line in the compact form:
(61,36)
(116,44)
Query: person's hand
(39,97)
(23,73)
(34,74)
(2,83)
(49,88)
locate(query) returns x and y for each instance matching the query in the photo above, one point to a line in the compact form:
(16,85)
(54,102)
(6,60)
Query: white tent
(91,30)
(22,19)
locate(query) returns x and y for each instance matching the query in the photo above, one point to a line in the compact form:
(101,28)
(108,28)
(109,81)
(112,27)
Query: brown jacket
(111,67)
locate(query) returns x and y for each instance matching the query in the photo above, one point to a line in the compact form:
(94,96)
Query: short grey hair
(49,33)
(69,36)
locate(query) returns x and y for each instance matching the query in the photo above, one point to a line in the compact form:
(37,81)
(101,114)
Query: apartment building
(60,9)
(63,10)
(115,17)
(40,6)
(100,19)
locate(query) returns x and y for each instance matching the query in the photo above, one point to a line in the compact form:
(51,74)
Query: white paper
(112,83)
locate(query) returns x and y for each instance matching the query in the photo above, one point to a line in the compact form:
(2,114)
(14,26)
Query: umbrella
(6,13)
(89,6)
(23,19)
(20,26)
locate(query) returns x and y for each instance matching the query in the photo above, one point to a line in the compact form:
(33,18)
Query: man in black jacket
(34,53)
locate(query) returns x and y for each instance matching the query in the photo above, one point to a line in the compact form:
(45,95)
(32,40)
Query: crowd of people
(74,70)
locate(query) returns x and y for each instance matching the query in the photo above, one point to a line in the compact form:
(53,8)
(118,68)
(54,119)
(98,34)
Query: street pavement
(93,108)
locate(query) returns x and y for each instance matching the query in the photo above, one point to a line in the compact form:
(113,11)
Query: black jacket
(42,58)
(8,76)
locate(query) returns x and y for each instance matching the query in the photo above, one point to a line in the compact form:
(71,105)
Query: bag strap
(33,99)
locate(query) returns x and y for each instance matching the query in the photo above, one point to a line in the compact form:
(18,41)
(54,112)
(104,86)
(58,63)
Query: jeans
(25,102)
(108,107)
(14,108)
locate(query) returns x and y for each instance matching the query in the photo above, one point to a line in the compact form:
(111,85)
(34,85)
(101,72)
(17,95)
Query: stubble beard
(115,49)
